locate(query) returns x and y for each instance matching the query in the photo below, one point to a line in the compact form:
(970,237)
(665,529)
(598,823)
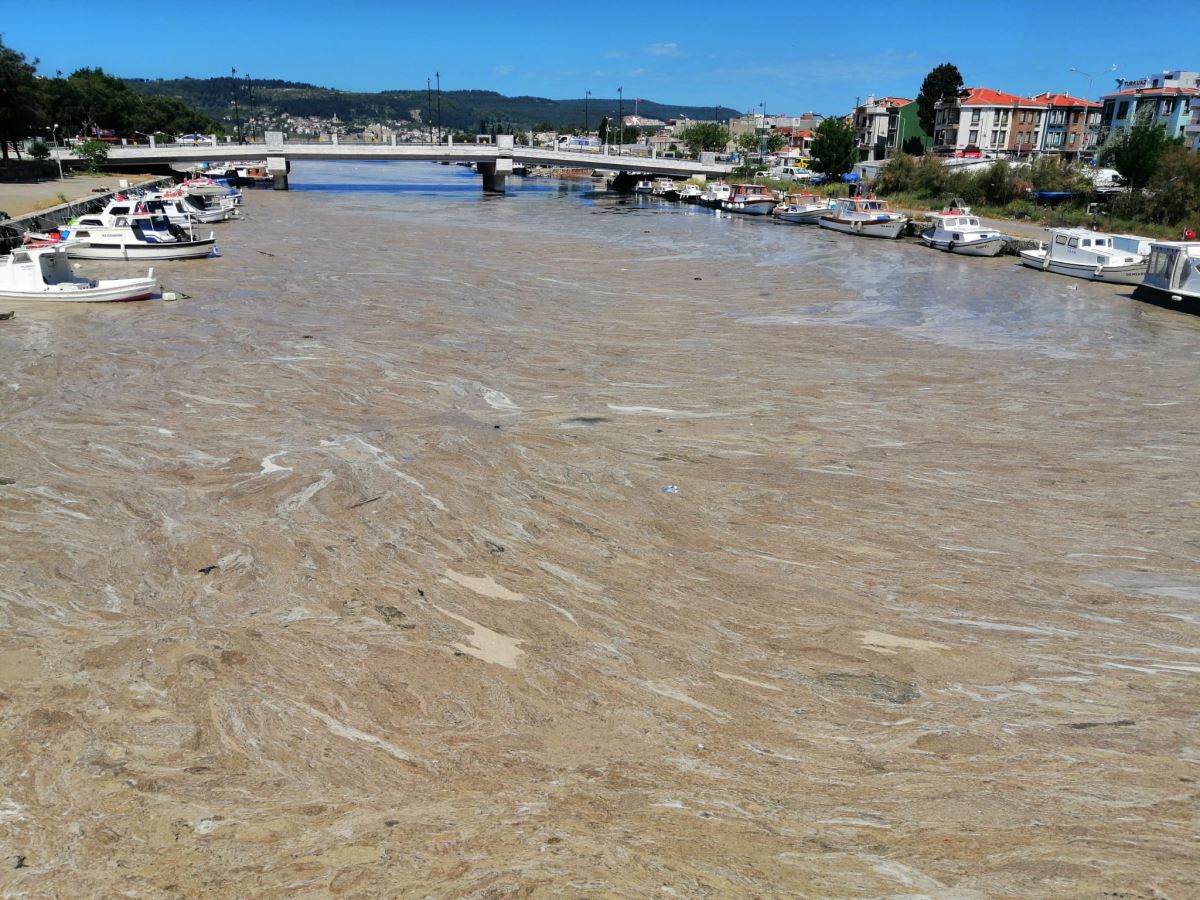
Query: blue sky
(699,53)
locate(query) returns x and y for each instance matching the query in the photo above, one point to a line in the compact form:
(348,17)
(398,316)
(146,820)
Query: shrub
(94,152)
(39,150)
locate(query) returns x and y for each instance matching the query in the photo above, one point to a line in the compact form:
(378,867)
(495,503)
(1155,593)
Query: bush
(94,152)
(39,150)
(997,186)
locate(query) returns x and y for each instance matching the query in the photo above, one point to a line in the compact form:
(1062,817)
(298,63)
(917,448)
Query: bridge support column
(494,172)
(279,167)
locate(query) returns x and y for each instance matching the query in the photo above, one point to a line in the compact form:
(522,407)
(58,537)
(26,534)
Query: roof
(893,102)
(989,97)
(1065,100)
(1155,92)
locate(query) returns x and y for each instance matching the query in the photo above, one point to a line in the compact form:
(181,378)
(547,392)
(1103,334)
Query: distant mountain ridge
(461,110)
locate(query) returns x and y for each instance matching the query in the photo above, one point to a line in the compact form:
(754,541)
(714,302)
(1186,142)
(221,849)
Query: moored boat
(802,209)
(954,231)
(645,186)
(1172,276)
(750,199)
(689,193)
(865,216)
(44,273)
(136,237)
(715,194)
(1093,255)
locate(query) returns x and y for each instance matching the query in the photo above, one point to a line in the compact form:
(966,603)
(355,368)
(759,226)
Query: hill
(461,110)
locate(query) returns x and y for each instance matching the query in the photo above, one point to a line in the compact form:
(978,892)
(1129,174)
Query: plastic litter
(670,489)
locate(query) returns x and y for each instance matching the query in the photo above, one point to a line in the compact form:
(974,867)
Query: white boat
(1093,255)
(645,186)
(956,231)
(663,186)
(136,237)
(802,209)
(750,199)
(44,273)
(1172,275)
(178,210)
(864,215)
(715,194)
(690,193)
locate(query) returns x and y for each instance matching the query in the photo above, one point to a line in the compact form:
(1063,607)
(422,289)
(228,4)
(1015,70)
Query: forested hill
(461,110)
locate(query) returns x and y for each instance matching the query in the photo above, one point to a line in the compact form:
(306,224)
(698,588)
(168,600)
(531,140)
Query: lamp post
(441,136)
(57,158)
(237,113)
(586,96)
(620,119)
(1089,76)
(429,107)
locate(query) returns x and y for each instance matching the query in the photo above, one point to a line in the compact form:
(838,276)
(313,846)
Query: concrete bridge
(493,161)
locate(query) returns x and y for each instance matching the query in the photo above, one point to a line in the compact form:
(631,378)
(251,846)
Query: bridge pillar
(494,172)
(279,167)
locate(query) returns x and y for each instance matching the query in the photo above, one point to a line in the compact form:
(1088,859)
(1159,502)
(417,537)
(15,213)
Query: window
(1003,137)
(1060,240)
(1123,109)
(1071,138)
(974,117)
(1087,242)
(1073,242)
(974,139)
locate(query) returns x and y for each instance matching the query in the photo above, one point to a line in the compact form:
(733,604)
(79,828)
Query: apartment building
(1071,127)
(882,126)
(986,122)
(1192,131)
(1163,100)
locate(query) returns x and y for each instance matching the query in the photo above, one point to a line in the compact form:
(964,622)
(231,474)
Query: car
(191,139)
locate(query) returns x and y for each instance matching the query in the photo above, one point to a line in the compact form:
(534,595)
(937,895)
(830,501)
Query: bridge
(493,161)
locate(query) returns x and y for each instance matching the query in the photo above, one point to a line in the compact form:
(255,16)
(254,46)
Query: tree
(705,136)
(19,98)
(943,81)
(913,146)
(776,141)
(833,153)
(1136,152)
(748,142)
(95,152)
(39,150)
(1176,187)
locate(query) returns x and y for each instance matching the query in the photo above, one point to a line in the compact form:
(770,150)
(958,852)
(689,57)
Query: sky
(700,53)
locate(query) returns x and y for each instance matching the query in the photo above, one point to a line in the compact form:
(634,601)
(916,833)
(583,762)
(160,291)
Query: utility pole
(586,95)
(441,135)
(237,114)
(620,119)
(429,107)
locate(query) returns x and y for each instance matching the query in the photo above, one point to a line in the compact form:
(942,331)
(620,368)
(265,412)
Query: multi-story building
(882,126)
(1071,127)
(1162,100)
(1192,131)
(984,122)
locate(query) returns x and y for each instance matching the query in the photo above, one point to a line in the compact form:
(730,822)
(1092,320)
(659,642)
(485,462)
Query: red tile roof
(1066,100)
(893,102)
(989,97)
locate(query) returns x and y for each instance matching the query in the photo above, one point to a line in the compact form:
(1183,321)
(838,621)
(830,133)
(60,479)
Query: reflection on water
(823,277)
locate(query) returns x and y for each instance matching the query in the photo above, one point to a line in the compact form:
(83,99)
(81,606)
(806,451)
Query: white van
(795,173)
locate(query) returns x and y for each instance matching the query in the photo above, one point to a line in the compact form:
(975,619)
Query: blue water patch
(387,188)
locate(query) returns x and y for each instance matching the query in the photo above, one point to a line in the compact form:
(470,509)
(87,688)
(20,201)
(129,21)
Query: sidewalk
(20,199)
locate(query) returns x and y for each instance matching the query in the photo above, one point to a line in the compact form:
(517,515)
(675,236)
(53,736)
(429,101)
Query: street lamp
(57,158)
(586,96)
(237,113)
(1089,76)
(620,119)
(441,136)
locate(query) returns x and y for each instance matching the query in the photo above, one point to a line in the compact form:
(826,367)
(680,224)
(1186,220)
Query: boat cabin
(31,270)
(1174,267)
(867,207)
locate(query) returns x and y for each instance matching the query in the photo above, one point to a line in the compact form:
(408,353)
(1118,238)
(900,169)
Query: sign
(1132,82)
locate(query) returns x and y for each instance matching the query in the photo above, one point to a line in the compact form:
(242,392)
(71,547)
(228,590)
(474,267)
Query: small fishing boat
(689,193)
(1172,276)
(1094,255)
(44,273)
(645,186)
(136,237)
(865,216)
(750,199)
(665,188)
(802,209)
(957,232)
(715,194)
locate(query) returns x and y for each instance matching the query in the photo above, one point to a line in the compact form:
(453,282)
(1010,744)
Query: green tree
(776,141)
(94,152)
(913,146)
(705,136)
(833,153)
(1136,152)
(943,81)
(20,102)
(748,142)
(1175,188)
(39,150)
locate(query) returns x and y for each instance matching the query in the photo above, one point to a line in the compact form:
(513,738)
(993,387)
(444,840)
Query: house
(986,122)
(1163,100)
(1192,131)
(882,126)
(1071,129)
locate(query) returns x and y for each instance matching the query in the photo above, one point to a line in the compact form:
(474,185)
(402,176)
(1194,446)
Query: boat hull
(1181,300)
(750,207)
(1127,274)
(807,217)
(881,228)
(189,250)
(105,292)
(986,247)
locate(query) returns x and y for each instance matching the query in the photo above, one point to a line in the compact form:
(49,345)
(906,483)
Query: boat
(180,210)
(750,199)
(957,232)
(715,194)
(1172,276)
(689,193)
(664,187)
(1093,255)
(802,209)
(136,237)
(44,273)
(866,216)
(645,186)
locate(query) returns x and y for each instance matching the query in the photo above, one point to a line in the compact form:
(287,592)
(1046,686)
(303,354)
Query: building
(882,126)
(757,123)
(1192,131)
(1163,100)
(1071,128)
(985,122)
